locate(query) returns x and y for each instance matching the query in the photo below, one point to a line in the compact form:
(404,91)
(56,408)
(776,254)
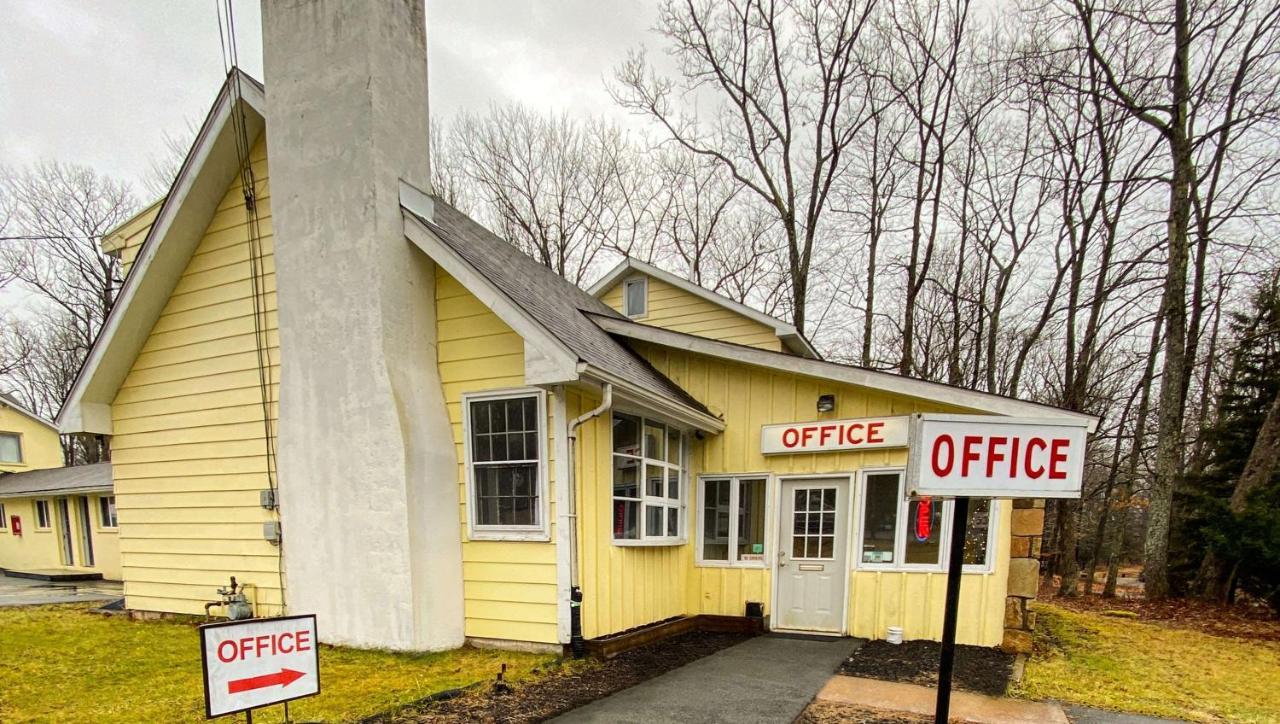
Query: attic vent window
(635,297)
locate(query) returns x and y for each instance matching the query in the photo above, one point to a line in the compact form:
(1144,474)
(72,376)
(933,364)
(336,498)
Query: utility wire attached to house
(257,271)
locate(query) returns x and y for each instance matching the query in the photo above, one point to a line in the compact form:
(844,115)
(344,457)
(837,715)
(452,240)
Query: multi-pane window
(10,447)
(732,521)
(107,512)
(813,523)
(648,475)
(505,452)
(635,294)
(42,514)
(914,533)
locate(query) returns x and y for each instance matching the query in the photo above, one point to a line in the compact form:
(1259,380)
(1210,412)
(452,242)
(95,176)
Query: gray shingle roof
(555,303)
(57,481)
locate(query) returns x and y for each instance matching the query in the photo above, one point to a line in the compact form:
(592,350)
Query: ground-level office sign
(258,662)
(995,457)
(866,433)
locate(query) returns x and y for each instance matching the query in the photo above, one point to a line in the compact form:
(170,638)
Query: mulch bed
(572,687)
(825,712)
(977,668)
(1244,620)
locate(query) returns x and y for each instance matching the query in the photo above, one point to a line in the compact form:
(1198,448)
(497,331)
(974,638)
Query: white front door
(813,538)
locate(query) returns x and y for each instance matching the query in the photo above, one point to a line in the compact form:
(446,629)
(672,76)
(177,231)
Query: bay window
(731,521)
(648,481)
(899,533)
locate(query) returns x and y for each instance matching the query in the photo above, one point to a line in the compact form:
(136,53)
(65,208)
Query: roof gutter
(673,409)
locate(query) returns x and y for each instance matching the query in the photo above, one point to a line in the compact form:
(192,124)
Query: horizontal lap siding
(750,397)
(188,452)
(623,587)
(509,587)
(673,308)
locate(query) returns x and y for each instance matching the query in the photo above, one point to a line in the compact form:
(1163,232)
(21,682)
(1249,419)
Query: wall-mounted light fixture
(826,403)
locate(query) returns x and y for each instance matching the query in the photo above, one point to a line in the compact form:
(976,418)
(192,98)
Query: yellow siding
(188,451)
(673,308)
(623,587)
(627,587)
(509,587)
(40,548)
(125,240)
(41,447)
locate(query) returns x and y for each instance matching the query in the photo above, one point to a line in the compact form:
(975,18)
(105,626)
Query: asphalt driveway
(27,592)
(766,679)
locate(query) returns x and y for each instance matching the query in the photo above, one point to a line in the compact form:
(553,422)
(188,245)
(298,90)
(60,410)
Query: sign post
(257,662)
(964,456)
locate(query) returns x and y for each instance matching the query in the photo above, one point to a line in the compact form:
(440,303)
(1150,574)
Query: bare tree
(782,78)
(50,253)
(1201,76)
(562,190)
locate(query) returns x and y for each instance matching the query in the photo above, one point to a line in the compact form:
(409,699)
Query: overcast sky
(99,81)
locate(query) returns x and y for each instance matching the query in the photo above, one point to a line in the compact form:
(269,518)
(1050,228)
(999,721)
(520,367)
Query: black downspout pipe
(576,643)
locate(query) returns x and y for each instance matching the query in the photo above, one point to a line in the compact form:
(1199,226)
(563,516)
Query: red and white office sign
(995,457)
(830,435)
(257,662)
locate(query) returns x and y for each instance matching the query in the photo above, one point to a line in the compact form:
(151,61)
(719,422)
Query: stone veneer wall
(1026,533)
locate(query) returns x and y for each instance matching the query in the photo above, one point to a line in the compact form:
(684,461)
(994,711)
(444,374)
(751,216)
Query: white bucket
(894,635)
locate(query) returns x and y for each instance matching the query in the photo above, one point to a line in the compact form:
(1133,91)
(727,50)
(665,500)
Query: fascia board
(871,379)
(547,360)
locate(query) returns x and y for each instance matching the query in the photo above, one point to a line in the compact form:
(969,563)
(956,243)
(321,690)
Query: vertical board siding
(509,587)
(749,397)
(189,453)
(673,308)
(623,586)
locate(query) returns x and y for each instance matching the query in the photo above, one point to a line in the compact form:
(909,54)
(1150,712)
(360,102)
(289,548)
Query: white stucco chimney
(368,491)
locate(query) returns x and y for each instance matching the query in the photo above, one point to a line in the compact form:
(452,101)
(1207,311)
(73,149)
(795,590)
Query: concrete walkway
(765,679)
(27,592)
(920,700)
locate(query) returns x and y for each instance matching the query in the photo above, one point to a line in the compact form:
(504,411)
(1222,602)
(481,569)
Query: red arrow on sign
(283,677)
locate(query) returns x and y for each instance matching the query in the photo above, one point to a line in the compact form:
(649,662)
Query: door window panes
(814,513)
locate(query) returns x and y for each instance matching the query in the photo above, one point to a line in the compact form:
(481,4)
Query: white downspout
(606,403)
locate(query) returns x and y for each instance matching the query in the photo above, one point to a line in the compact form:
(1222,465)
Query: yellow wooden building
(324,380)
(54,521)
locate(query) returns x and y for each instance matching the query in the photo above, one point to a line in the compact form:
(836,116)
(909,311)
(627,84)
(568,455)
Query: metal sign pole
(955,565)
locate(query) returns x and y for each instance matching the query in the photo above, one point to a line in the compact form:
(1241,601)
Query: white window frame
(22,449)
(48,514)
(643,282)
(899,531)
(644,498)
(735,491)
(538,532)
(103,506)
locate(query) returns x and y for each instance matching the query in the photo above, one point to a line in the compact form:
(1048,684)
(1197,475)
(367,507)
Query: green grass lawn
(1125,665)
(61,663)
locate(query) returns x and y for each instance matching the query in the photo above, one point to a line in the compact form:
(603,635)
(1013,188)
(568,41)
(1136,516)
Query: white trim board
(12,404)
(547,360)
(179,226)
(871,379)
(789,335)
